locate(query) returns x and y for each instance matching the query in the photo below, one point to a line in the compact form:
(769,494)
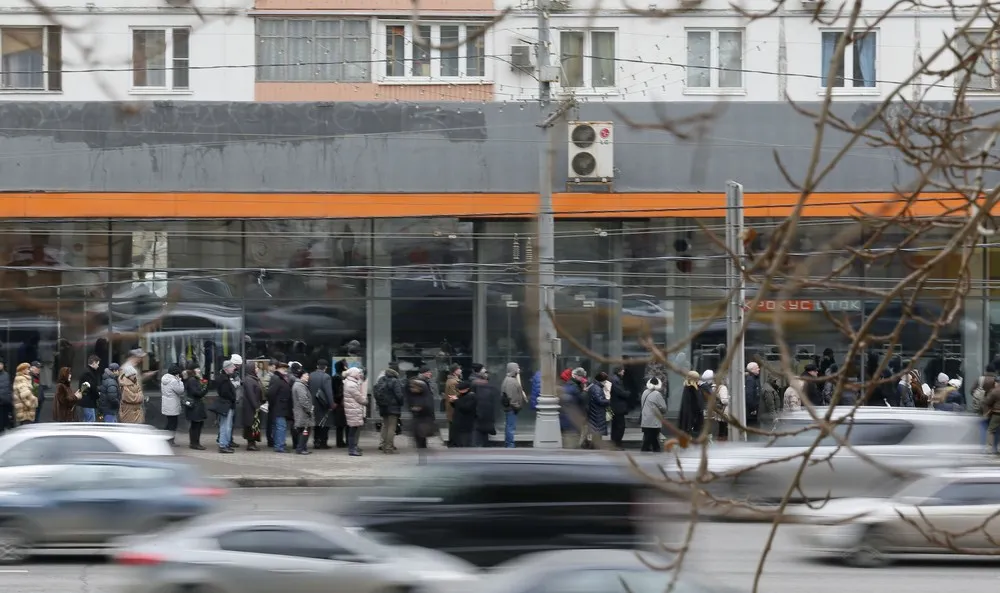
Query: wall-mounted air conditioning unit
(591,153)
(520,58)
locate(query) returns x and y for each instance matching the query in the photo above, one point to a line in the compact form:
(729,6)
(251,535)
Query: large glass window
(430,265)
(585,289)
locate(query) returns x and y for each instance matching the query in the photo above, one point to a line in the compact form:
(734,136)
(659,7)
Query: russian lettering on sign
(834,306)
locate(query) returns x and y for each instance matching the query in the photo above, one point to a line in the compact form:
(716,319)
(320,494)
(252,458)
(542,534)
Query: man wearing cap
(279,405)
(36,383)
(321,386)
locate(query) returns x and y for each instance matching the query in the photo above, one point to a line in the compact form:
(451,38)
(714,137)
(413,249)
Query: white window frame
(849,89)
(994,58)
(47,77)
(169,88)
(588,67)
(381,41)
(714,66)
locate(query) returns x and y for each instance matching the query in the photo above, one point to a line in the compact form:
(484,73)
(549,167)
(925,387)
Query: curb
(304,482)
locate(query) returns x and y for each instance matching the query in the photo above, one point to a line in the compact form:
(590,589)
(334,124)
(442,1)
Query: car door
(279,558)
(955,518)
(81,506)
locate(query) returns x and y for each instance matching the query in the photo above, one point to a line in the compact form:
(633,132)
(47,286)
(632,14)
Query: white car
(27,449)
(946,512)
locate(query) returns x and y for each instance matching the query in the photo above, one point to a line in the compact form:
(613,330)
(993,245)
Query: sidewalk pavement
(327,468)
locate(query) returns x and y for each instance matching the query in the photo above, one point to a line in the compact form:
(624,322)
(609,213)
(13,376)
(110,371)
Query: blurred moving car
(489,506)
(590,571)
(272,553)
(946,512)
(80,507)
(27,449)
(905,440)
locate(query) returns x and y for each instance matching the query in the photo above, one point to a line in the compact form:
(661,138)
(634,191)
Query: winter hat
(137,353)
(566,375)
(579,373)
(708,376)
(753,367)
(229,364)
(23,367)
(237,359)
(653,383)
(942,378)
(36,364)
(114,366)
(956,383)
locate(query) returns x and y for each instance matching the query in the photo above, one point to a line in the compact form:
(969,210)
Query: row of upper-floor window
(345,50)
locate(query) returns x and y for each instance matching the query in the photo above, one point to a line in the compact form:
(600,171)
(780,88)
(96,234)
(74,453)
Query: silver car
(273,553)
(589,571)
(901,442)
(946,512)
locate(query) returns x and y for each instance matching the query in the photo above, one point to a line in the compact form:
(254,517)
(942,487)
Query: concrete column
(976,322)
(679,292)
(618,279)
(479,336)
(379,322)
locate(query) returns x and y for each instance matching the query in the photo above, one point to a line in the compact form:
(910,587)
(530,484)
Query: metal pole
(737,288)
(548,434)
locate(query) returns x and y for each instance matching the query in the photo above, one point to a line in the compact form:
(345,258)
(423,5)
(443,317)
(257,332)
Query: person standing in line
(321,386)
(487,398)
(512,399)
(464,419)
(64,404)
(253,398)
(355,400)
(36,381)
(619,407)
(450,390)
(388,392)
(653,411)
(6,399)
(25,400)
(131,409)
(752,385)
(109,395)
(171,392)
(90,384)
(339,419)
(302,409)
(194,404)
(420,400)
(225,405)
(279,405)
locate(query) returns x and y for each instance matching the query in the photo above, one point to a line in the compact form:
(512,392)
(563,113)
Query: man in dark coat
(463,420)
(487,400)
(253,399)
(321,386)
(619,407)
(91,377)
(339,419)
(6,399)
(279,405)
(420,400)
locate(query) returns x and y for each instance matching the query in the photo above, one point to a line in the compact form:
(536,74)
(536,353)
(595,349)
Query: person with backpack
(388,393)
(109,396)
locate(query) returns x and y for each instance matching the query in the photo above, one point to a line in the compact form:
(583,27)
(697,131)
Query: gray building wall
(404,147)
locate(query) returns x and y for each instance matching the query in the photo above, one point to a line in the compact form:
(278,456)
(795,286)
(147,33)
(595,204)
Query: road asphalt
(722,553)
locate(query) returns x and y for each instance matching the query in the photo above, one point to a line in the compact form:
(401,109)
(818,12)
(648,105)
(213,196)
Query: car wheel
(14,545)
(869,553)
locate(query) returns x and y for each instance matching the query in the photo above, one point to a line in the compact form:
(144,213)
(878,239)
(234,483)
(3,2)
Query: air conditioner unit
(813,5)
(591,153)
(520,58)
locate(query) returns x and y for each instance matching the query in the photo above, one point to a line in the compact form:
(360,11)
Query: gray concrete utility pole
(734,315)
(547,431)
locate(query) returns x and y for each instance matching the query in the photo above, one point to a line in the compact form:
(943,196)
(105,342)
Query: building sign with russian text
(833,305)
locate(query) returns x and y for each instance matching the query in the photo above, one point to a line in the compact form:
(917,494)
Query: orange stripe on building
(470,205)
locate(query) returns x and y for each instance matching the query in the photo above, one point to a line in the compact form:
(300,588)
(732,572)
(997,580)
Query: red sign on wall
(789,305)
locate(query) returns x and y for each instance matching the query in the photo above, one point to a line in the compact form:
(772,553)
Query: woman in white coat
(355,400)
(171,391)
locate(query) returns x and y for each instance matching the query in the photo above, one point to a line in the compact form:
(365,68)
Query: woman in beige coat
(25,400)
(132,409)
(355,400)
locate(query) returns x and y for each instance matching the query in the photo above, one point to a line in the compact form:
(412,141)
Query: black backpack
(383,390)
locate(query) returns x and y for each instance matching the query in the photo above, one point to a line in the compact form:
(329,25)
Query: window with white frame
(313,50)
(859,63)
(435,50)
(31,58)
(161,58)
(587,59)
(984,76)
(715,59)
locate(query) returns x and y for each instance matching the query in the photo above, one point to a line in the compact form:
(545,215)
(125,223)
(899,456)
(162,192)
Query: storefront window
(53,274)
(430,264)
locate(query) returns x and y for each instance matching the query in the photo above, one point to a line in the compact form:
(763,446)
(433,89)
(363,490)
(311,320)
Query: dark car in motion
(82,505)
(488,507)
